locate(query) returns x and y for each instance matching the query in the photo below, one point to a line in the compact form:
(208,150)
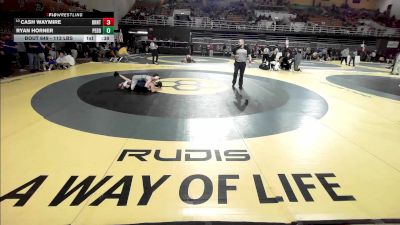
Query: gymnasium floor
(317,146)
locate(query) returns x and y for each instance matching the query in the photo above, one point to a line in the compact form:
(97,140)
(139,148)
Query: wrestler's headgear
(158,84)
(155,75)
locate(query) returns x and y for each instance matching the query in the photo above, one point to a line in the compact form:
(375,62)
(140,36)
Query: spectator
(224,49)
(95,53)
(10,53)
(285,61)
(49,63)
(382,59)
(203,48)
(4,70)
(74,51)
(297,60)
(122,52)
(373,56)
(31,50)
(353,55)
(22,56)
(65,61)
(52,50)
(265,54)
(308,53)
(344,55)
(211,50)
(396,67)
(40,55)
(191,48)
(86,50)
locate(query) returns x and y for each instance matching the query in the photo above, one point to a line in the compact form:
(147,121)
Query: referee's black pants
(352,59)
(154,53)
(345,60)
(239,66)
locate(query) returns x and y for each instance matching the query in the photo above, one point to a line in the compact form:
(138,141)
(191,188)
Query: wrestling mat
(311,147)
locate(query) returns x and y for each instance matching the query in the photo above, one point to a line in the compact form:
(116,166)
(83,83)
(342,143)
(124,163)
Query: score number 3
(108,21)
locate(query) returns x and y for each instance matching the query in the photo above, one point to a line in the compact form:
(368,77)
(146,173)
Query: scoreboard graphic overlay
(65,27)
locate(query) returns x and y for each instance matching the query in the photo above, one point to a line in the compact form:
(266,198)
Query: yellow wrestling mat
(338,162)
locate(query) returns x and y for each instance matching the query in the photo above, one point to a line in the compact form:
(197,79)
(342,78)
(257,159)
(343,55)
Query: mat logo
(192,86)
(291,184)
(218,186)
(189,155)
(186,85)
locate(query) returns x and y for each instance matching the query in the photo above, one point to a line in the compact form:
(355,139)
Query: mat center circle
(186,95)
(264,107)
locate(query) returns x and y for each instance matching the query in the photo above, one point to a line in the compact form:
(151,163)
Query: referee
(241,54)
(154,51)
